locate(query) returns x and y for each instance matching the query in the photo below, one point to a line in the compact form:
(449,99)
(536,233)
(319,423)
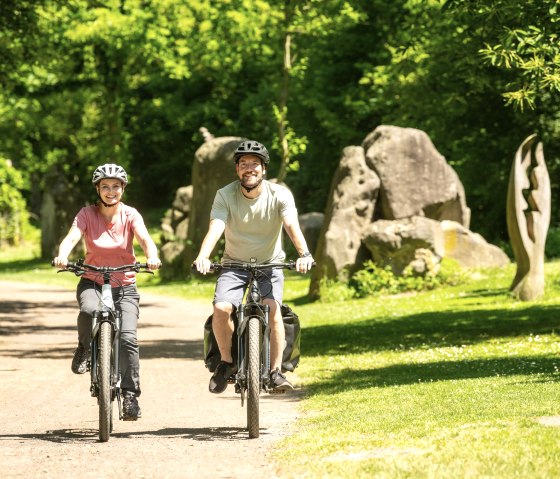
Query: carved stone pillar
(528,218)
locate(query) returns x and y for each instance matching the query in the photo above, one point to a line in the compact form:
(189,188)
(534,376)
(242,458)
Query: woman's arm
(67,245)
(148,246)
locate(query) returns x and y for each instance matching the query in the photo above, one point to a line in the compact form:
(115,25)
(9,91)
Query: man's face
(250,170)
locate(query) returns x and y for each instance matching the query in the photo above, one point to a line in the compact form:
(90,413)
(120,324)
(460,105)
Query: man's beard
(248,187)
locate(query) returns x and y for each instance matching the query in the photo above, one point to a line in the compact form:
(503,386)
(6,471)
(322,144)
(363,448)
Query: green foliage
(132,82)
(373,280)
(14,218)
(552,247)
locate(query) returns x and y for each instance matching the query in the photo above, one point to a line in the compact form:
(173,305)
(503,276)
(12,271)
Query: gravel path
(48,421)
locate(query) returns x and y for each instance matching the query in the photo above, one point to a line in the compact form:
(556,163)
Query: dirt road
(48,421)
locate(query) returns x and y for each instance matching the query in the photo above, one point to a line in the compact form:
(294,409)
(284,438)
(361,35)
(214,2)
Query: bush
(552,248)
(374,279)
(14,218)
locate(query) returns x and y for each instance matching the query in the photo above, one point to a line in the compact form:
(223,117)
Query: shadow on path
(74,436)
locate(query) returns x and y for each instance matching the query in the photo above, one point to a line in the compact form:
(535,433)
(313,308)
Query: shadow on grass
(403,374)
(430,329)
(18,266)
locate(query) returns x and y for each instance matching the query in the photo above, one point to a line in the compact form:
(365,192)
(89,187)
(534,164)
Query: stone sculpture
(528,218)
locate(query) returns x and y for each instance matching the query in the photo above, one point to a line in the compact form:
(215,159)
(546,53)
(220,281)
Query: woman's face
(110,190)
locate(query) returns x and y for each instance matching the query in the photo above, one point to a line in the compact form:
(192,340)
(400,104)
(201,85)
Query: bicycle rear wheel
(253,376)
(104,378)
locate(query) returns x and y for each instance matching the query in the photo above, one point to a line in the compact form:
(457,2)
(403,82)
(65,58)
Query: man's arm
(291,225)
(215,231)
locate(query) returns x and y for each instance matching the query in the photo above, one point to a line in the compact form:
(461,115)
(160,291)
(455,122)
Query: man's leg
(229,292)
(277,334)
(222,326)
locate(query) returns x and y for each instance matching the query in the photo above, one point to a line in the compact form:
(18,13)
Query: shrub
(373,279)
(552,248)
(14,218)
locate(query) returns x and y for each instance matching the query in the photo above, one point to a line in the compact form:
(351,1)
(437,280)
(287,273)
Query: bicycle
(105,343)
(252,363)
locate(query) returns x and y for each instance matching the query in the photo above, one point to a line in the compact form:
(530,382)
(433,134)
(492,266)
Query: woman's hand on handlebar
(60,262)
(202,265)
(153,263)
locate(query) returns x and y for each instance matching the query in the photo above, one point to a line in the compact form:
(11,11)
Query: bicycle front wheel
(104,378)
(253,376)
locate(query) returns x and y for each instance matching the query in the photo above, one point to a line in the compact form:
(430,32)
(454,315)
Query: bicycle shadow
(78,436)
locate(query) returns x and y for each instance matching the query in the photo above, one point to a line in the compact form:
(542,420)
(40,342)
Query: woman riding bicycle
(109,228)
(251,211)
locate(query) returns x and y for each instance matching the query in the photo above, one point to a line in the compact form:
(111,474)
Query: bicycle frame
(106,312)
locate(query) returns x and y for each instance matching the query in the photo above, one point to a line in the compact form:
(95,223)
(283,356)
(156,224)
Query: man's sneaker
(131,409)
(219,380)
(279,382)
(80,360)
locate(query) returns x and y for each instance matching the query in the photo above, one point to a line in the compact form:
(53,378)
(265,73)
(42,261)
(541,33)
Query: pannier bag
(290,356)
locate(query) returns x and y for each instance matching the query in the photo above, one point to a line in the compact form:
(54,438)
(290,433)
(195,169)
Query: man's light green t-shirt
(253,226)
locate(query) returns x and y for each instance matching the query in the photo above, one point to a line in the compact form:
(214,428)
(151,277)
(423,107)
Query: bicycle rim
(104,378)
(253,376)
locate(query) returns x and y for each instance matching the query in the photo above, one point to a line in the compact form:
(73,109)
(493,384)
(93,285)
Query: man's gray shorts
(232,283)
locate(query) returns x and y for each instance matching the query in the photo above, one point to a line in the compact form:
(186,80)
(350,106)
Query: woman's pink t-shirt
(109,244)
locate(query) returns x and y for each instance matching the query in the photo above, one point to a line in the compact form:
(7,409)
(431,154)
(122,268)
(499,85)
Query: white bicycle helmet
(109,170)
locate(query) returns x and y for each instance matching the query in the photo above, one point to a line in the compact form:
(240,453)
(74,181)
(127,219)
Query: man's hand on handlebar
(304,264)
(202,265)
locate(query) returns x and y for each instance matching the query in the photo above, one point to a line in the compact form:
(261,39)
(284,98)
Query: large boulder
(395,243)
(470,249)
(349,212)
(415,178)
(392,200)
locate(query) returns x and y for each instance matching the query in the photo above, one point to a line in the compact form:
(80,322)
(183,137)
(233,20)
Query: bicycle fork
(114,318)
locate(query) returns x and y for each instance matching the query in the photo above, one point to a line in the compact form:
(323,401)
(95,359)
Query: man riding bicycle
(109,228)
(251,212)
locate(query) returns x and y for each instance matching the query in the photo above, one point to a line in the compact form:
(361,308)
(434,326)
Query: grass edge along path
(457,382)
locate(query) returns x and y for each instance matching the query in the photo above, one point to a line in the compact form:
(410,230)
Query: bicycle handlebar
(251,266)
(79,268)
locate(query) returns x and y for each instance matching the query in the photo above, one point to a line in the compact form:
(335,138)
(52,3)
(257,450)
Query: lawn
(461,381)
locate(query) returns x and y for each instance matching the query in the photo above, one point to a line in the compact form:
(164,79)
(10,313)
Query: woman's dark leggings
(127,301)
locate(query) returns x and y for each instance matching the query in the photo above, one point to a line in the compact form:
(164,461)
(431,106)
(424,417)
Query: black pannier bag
(290,356)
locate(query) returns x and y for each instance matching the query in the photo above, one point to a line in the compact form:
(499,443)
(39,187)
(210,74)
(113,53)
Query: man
(251,211)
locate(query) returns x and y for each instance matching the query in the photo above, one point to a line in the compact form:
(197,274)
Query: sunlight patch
(377,453)
(553,421)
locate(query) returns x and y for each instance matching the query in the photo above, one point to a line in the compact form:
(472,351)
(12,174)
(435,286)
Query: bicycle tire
(104,378)
(253,376)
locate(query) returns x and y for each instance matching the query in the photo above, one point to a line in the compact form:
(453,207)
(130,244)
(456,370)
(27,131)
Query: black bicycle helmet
(109,170)
(251,147)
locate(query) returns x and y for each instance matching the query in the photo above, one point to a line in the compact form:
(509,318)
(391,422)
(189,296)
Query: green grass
(447,383)
(455,382)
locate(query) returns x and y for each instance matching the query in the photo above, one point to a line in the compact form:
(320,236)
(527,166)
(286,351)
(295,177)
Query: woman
(109,228)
